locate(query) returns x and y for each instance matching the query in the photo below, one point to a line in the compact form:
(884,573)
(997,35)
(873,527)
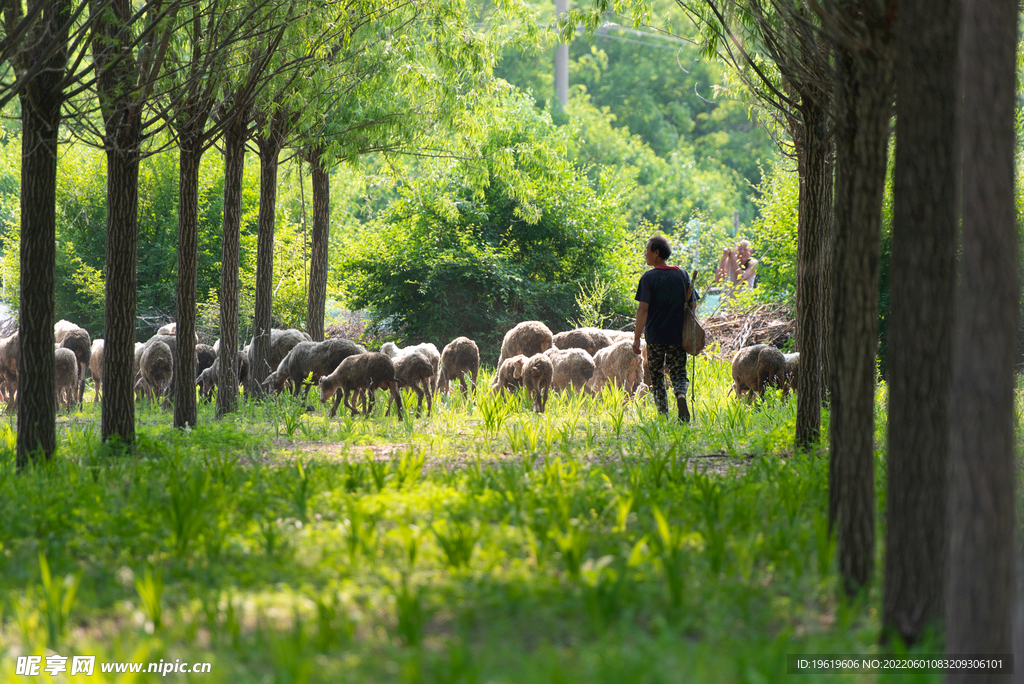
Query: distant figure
(737,268)
(660,313)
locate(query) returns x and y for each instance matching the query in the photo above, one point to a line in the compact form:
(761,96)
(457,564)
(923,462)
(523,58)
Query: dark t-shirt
(663,289)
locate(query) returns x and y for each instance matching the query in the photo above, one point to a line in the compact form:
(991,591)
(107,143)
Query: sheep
(65,366)
(589,339)
(61,328)
(157,368)
(572,367)
(9,351)
(415,370)
(536,373)
(427,349)
(96,367)
(360,373)
(205,356)
(792,369)
(281,342)
(210,377)
(77,340)
(620,365)
(172,330)
(311,358)
(460,356)
(756,367)
(527,338)
(504,378)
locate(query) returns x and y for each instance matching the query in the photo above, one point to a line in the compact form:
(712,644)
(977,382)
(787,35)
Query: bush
(472,250)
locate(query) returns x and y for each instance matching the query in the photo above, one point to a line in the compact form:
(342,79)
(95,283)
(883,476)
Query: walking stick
(686,304)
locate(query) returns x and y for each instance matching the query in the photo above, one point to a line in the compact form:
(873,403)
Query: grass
(596,543)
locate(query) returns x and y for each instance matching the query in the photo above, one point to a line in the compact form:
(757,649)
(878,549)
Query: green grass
(596,543)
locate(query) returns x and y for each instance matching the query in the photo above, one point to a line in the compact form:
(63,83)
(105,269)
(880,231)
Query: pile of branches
(733,330)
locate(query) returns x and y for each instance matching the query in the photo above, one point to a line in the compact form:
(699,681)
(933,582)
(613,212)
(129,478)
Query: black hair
(660,245)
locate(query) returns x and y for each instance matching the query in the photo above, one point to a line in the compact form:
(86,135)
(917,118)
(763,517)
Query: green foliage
(473,249)
(774,233)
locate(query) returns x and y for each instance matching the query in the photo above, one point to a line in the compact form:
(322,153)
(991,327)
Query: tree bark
(981,504)
(190,154)
(269,143)
(924,243)
(234,168)
(864,95)
(40,117)
(118,412)
(315,309)
(815,211)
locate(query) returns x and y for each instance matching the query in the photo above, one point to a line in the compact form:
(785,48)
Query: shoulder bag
(693,334)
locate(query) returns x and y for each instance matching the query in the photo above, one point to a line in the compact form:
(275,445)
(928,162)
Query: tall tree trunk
(269,144)
(924,245)
(981,504)
(190,154)
(317,304)
(815,211)
(40,117)
(41,102)
(863,108)
(234,168)
(123,144)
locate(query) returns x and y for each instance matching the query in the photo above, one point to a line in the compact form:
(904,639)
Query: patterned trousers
(671,358)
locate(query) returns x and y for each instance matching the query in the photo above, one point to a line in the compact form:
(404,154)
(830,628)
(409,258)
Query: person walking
(659,316)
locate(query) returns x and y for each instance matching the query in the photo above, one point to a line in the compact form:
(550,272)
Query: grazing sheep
(792,370)
(65,366)
(210,377)
(281,342)
(415,371)
(157,368)
(61,328)
(77,340)
(9,351)
(589,339)
(505,378)
(460,356)
(756,367)
(572,367)
(361,373)
(527,338)
(315,359)
(205,356)
(536,372)
(427,349)
(620,365)
(96,367)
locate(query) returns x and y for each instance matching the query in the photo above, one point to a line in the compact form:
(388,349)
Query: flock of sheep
(585,359)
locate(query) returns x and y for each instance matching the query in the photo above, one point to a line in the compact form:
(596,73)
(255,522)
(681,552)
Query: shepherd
(660,315)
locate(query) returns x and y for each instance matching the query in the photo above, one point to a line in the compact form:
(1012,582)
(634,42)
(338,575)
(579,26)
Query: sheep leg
(393,386)
(430,401)
(419,398)
(337,401)
(544,400)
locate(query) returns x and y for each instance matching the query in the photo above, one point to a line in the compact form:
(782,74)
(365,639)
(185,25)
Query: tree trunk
(815,209)
(921,322)
(981,504)
(41,102)
(40,117)
(317,304)
(118,412)
(269,145)
(190,154)
(234,167)
(863,109)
